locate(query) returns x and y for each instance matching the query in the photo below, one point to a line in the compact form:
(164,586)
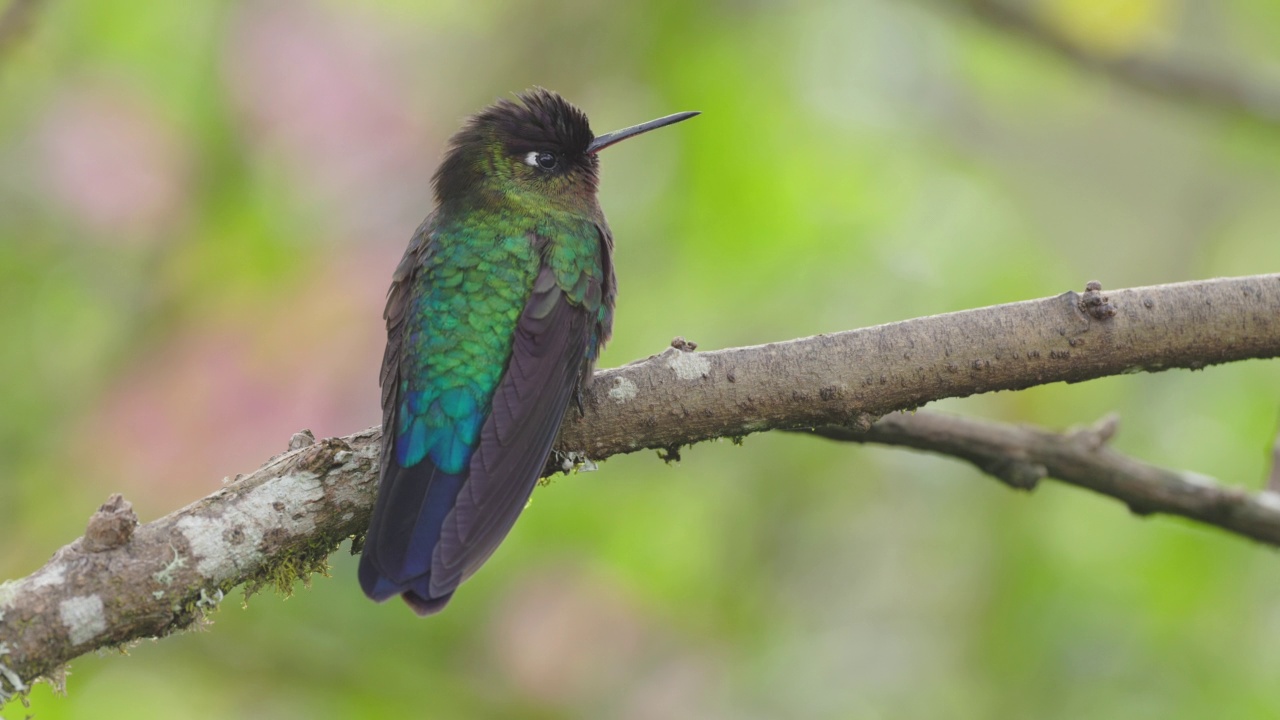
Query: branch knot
(111,526)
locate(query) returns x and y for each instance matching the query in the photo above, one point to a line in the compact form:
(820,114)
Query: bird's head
(537,148)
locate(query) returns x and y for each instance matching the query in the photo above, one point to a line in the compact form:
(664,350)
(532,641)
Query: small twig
(1164,77)
(1020,456)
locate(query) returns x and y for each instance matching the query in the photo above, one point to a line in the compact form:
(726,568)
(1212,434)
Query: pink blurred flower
(226,393)
(322,94)
(113,162)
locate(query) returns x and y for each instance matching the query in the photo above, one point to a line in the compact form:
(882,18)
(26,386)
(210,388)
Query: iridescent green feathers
(466,299)
(494,319)
(495,314)
(500,219)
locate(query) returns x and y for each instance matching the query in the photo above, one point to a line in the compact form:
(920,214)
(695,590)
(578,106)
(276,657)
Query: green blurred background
(201,204)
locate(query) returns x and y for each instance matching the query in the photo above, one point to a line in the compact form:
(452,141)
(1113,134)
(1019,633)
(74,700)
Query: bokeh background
(201,204)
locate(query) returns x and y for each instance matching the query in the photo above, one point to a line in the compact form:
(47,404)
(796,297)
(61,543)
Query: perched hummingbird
(495,317)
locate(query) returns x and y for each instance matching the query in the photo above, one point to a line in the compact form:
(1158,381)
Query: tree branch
(1164,77)
(280,523)
(1021,456)
(677,398)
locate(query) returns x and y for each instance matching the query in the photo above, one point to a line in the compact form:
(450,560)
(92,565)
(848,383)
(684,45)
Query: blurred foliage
(1114,27)
(201,204)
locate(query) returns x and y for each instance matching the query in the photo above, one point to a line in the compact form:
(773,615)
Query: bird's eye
(544,160)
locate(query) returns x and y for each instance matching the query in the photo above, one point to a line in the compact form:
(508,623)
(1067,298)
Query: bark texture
(852,378)
(123,582)
(1022,456)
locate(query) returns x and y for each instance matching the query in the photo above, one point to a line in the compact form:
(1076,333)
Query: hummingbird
(495,317)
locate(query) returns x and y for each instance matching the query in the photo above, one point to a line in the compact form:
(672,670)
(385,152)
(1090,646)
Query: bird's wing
(394,314)
(386,543)
(431,529)
(528,407)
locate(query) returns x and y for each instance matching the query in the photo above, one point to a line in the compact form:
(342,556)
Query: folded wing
(431,529)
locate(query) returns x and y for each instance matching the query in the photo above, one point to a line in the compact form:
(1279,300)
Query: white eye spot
(531,159)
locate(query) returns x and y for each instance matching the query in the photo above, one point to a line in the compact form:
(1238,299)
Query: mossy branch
(124,581)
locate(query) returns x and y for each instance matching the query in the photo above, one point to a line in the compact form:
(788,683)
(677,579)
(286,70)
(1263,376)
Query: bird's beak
(608,139)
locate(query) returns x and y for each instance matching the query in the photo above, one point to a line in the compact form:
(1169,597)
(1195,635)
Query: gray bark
(278,524)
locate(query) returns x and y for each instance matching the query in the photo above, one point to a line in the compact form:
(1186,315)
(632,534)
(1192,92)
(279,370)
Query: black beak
(608,139)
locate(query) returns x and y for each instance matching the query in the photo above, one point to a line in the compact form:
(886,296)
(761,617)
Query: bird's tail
(400,545)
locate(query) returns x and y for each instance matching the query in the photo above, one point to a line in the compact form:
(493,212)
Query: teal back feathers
(495,317)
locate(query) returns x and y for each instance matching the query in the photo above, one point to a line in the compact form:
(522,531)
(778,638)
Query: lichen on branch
(123,582)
